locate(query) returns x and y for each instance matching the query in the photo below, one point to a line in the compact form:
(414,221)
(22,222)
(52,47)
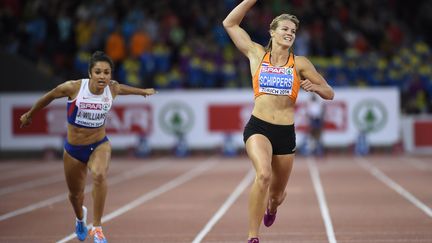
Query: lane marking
(321,199)
(31,184)
(419,164)
(393,185)
(64,196)
(153,194)
(30,170)
(225,206)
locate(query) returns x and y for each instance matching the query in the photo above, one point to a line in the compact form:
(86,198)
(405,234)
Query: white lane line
(61,197)
(152,194)
(34,206)
(419,164)
(393,185)
(321,199)
(32,169)
(225,206)
(31,184)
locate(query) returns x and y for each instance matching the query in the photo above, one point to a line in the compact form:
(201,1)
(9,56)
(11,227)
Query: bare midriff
(274,109)
(84,136)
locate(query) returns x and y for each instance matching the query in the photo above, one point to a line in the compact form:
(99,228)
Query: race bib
(276,80)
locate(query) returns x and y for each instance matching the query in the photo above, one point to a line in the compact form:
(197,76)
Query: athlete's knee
(278,196)
(263,178)
(99,175)
(76,196)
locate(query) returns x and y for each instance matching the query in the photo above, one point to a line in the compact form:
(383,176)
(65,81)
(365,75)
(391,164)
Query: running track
(204,199)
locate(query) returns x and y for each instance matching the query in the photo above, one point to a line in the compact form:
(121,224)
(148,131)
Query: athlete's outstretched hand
(25,120)
(148,92)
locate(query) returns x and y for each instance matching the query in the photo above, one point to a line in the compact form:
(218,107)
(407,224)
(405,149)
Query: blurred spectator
(115,46)
(181,44)
(140,42)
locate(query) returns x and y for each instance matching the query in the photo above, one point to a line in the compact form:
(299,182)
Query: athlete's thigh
(259,150)
(281,170)
(75,173)
(99,159)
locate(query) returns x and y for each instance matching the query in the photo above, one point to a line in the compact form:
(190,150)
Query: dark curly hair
(100,56)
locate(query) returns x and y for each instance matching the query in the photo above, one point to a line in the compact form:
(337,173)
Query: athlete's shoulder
(67,88)
(258,50)
(302,59)
(70,84)
(256,56)
(302,62)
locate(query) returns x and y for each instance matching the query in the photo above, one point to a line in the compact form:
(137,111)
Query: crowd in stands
(179,44)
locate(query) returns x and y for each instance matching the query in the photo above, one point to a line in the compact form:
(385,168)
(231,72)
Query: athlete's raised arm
(238,35)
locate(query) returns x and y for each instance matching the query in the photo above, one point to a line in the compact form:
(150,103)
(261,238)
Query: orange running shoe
(98,236)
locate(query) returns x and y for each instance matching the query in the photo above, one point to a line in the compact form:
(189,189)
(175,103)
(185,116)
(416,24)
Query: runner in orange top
(269,135)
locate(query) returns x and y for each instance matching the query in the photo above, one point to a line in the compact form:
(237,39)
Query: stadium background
(177,46)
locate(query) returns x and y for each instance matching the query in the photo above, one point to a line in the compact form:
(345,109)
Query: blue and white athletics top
(89,110)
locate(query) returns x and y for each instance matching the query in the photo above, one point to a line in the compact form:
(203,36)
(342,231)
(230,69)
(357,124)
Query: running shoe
(269,218)
(253,240)
(98,236)
(81,227)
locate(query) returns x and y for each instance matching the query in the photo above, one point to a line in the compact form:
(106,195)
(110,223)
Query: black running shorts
(282,137)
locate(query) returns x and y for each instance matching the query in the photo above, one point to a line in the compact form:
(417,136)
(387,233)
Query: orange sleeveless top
(269,79)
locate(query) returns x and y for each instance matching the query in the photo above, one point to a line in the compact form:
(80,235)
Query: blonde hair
(275,23)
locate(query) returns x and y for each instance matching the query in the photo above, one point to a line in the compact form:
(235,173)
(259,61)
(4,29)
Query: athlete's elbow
(227,24)
(326,95)
(330,95)
(328,92)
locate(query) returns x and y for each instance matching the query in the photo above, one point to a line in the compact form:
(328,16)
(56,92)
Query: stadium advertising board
(203,118)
